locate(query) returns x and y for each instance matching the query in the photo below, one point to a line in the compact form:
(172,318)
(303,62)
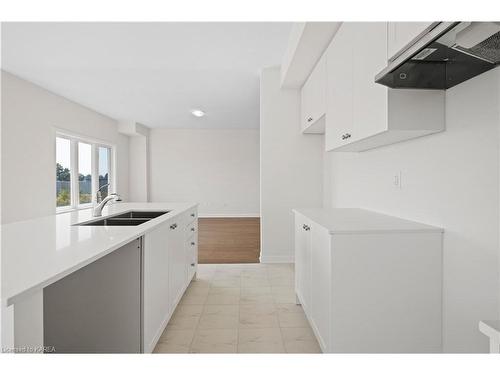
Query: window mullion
(75,193)
(111,173)
(95,174)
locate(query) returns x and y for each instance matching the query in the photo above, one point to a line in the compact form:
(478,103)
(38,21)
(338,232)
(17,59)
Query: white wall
(138,169)
(30,115)
(291,167)
(450,180)
(218,168)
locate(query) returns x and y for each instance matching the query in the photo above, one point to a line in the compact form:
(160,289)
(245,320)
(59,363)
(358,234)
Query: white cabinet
(369,98)
(356,105)
(339,107)
(191,247)
(361,114)
(303,260)
(312,288)
(313,100)
(177,270)
(157,307)
(369,283)
(321,268)
(169,264)
(402,33)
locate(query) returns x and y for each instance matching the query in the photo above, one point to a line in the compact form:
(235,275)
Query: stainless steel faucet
(99,204)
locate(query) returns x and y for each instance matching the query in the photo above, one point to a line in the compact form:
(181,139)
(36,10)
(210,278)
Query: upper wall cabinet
(339,91)
(402,33)
(313,100)
(361,114)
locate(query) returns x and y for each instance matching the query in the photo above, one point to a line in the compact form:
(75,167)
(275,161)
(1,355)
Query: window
(84,173)
(82,167)
(104,167)
(63,172)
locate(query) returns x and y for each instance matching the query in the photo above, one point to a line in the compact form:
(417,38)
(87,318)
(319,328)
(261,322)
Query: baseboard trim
(227,216)
(277,259)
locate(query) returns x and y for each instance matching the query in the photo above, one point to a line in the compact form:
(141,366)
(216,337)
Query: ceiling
(151,73)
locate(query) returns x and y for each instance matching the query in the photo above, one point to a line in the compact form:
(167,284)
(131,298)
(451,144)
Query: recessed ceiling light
(197,113)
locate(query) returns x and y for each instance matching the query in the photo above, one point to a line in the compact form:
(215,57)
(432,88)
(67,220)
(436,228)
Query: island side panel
(97,309)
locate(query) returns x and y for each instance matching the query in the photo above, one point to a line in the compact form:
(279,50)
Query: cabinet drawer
(192,242)
(191,216)
(191,248)
(192,228)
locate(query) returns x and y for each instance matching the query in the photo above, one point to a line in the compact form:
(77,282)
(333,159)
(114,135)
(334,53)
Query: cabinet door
(320,285)
(157,307)
(402,33)
(339,98)
(177,262)
(318,91)
(369,98)
(313,95)
(303,261)
(305,108)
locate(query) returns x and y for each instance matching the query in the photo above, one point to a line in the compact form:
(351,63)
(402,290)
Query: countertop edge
(430,229)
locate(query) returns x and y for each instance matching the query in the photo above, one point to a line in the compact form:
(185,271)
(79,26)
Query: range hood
(444,55)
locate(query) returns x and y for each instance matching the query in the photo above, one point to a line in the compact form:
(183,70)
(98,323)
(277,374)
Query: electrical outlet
(397,180)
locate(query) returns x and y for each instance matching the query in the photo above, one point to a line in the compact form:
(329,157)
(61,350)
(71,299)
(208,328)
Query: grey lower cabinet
(97,309)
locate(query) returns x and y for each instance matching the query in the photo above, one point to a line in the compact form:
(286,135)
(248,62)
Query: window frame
(74,165)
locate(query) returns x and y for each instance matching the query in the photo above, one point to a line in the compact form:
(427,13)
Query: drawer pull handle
(192,215)
(192,229)
(309,119)
(306,227)
(192,243)
(173,226)
(192,264)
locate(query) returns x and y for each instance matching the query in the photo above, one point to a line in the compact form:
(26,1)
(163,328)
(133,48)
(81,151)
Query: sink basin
(140,214)
(113,221)
(129,218)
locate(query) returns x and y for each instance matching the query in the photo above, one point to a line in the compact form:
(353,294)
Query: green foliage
(85,198)
(62,174)
(63,198)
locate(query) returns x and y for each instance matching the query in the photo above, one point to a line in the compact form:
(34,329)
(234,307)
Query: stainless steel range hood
(444,55)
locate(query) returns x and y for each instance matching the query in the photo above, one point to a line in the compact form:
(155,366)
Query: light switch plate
(397,180)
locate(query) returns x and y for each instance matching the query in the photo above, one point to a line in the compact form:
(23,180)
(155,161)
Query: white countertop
(38,252)
(357,220)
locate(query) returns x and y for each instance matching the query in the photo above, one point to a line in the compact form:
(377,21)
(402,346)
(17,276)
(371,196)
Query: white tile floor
(239,308)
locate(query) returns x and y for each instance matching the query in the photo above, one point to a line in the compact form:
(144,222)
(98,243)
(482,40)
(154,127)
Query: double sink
(129,218)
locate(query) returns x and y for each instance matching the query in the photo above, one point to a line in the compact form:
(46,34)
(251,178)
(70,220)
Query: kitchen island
(40,253)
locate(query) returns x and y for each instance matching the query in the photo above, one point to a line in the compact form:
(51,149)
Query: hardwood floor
(228,240)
